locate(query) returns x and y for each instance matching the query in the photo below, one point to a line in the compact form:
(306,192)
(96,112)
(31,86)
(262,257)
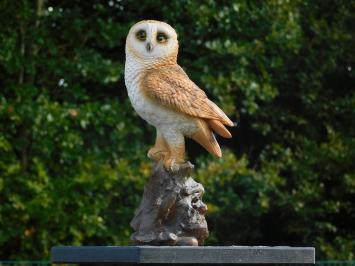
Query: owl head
(151,39)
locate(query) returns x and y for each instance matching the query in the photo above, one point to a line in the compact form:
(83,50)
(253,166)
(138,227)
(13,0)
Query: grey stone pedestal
(168,255)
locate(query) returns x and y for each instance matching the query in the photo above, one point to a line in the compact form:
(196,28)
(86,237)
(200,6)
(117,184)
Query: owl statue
(163,95)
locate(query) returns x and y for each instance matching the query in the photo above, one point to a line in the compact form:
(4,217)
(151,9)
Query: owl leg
(160,149)
(176,156)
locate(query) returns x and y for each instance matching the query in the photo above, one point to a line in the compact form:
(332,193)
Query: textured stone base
(183,255)
(171,212)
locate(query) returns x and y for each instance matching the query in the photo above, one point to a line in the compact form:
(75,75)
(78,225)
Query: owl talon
(172,165)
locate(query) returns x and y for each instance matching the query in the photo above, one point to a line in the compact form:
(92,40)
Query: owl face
(151,39)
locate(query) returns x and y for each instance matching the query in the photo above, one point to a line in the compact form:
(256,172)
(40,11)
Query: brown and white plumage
(163,95)
(171,87)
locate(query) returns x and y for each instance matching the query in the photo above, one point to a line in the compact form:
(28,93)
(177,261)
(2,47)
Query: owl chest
(154,113)
(139,102)
(149,111)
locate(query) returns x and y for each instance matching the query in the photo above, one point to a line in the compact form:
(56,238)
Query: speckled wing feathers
(171,87)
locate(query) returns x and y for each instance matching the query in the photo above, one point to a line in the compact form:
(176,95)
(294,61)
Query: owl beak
(149,47)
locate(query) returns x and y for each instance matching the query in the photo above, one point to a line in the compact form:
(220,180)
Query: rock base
(171,212)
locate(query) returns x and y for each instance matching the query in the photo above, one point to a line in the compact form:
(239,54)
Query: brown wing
(171,87)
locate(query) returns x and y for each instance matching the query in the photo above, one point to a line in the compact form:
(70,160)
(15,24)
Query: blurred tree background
(73,152)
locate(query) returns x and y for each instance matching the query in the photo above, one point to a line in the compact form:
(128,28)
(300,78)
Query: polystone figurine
(172,211)
(164,96)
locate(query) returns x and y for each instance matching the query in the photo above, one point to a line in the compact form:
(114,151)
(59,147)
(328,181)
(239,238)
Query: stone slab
(232,255)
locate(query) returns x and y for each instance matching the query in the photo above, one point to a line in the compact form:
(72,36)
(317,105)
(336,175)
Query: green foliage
(72,151)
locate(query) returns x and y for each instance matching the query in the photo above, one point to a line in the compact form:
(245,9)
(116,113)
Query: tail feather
(223,117)
(206,139)
(219,128)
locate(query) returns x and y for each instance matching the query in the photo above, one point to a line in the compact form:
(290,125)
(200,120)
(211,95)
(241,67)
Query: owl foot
(156,154)
(173,165)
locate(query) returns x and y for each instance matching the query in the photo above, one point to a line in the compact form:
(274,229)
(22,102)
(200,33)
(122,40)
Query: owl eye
(161,37)
(141,35)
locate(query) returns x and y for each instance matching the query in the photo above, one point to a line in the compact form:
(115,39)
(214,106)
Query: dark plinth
(183,255)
